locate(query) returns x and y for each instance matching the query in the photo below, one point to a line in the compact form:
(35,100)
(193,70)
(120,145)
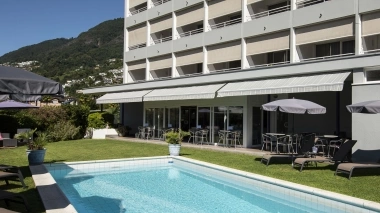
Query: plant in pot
(174,140)
(36,146)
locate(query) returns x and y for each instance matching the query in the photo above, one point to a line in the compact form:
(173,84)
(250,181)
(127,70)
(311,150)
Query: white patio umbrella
(294,106)
(368,107)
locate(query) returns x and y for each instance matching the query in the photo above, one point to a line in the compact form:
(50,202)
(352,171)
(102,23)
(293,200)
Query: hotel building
(213,63)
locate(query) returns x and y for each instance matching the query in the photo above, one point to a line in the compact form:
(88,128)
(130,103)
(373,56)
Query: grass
(366,185)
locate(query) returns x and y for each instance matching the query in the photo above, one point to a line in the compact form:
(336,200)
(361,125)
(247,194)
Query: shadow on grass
(54,161)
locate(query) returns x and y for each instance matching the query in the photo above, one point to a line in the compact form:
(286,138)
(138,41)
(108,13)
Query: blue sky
(26,22)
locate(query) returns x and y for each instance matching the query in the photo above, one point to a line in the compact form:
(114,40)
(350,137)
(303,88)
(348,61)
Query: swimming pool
(182,185)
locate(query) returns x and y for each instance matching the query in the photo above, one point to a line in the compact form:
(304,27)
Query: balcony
(161,73)
(307,3)
(224,24)
(161,40)
(137,75)
(137,46)
(190,70)
(269,59)
(333,49)
(159,2)
(225,66)
(138,9)
(269,12)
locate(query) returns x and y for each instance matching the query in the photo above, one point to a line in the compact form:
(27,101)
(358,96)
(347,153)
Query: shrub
(108,118)
(173,137)
(62,131)
(96,121)
(78,115)
(42,118)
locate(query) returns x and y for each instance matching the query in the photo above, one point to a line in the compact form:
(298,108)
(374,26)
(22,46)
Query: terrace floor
(251,151)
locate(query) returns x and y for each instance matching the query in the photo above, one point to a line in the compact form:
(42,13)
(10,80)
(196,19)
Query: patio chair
(342,155)
(348,168)
(9,142)
(193,133)
(265,141)
(11,173)
(285,141)
(222,137)
(13,197)
(5,135)
(148,132)
(203,135)
(305,151)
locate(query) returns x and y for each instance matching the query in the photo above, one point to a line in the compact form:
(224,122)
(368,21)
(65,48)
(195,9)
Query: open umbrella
(18,81)
(10,104)
(295,106)
(370,107)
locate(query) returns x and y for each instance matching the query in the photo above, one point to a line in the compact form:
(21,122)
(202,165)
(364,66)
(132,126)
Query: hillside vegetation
(64,59)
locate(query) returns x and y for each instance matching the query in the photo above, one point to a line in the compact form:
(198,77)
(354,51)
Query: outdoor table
(276,135)
(328,139)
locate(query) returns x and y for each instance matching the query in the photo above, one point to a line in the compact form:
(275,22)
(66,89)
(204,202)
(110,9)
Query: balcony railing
(193,74)
(225,70)
(161,40)
(131,13)
(270,64)
(190,33)
(137,46)
(371,51)
(326,57)
(160,2)
(225,24)
(270,12)
(306,3)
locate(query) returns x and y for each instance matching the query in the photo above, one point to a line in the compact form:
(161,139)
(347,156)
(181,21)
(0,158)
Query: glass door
(158,122)
(188,117)
(220,122)
(204,120)
(172,118)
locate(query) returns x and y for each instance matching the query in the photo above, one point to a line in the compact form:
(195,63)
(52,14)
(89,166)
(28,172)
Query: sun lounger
(13,197)
(343,154)
(348,168)
(11,173)
(305,151)
(2,210)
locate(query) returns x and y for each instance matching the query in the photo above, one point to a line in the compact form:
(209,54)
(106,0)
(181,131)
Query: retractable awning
(184,93)
(122,97)
(314,83)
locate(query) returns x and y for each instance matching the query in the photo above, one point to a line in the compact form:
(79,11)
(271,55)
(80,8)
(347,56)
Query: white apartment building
(213,63)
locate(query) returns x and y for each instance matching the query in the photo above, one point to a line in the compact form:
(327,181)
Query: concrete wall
(365,127)
(133,116)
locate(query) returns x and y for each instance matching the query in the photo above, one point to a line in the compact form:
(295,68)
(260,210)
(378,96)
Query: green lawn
(362,185)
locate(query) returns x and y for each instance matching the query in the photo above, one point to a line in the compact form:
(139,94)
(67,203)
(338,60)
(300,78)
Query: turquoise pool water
(170,188)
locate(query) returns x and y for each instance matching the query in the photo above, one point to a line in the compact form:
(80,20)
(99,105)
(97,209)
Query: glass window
(149,117)
(235,118)
(204,117)
(373,75)
(220,121)
(173,120)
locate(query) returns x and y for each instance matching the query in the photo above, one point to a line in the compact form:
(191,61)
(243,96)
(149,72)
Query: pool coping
(55,201)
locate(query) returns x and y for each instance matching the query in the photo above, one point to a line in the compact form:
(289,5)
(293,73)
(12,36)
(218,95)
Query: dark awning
(18,81)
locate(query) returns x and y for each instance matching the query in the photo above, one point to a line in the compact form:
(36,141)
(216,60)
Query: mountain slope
(66,59)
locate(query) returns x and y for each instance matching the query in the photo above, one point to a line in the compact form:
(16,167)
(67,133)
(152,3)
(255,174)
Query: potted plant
(36,146)
(174,140)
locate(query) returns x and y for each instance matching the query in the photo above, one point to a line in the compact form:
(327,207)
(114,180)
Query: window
(328,49)
(278,57)
(348,47)
(372,75)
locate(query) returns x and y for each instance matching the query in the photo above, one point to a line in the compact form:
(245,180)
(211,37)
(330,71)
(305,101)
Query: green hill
(64,59)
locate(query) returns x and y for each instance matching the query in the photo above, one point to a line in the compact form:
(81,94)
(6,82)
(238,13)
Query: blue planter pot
(36,157)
